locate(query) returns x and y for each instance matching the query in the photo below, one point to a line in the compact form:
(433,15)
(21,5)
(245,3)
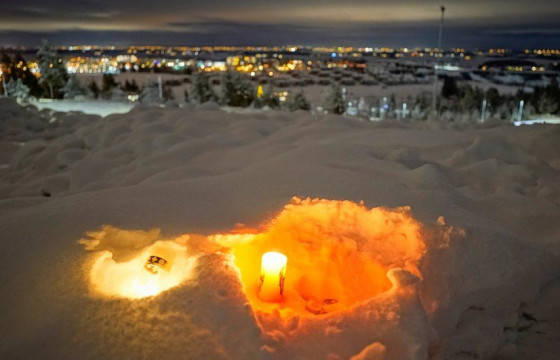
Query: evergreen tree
(52,69)
(268,98)
(134,86)
(333,101)
(547,104)
(547,99)
(421,107)
(94,89)
(493,97)
(73,88)
(449,88)
(470,100)
(131,86)
(393,101)
(108,85)
(202,90)
(17,89)
(298,101)
(237,90)
(229,91)
(27,77)
(167,93)
(271,98)
(150,93)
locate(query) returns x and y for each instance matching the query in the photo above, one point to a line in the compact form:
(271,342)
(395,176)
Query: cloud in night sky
(469,23)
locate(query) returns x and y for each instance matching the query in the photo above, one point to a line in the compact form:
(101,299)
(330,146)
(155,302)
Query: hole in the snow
(135,263)
(338,254)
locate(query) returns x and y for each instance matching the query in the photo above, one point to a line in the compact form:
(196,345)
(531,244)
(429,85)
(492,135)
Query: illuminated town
(259,60)
(367,75)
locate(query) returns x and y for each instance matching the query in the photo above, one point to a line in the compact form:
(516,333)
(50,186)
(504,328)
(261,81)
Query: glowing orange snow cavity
(338,254)
(119,269)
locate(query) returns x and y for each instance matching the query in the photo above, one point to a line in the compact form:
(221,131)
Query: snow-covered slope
(94,107)
(488,200)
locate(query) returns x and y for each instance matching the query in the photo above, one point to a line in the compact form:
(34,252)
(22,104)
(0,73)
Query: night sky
(516,24)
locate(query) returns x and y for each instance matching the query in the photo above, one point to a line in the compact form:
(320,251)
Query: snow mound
(428,176)
(22,124)
(484,148)
(340,229)
(485,285)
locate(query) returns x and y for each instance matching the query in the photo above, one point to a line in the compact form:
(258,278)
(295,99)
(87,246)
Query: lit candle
(273,274)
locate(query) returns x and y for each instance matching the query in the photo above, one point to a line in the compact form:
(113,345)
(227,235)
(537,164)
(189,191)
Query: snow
(487,198)
(95,107)
(550,120)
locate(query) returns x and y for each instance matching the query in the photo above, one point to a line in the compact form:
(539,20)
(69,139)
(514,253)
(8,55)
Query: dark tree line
(466,98)
(237,90)
(545,99)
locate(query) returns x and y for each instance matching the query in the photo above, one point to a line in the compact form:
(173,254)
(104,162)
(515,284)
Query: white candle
(273,274)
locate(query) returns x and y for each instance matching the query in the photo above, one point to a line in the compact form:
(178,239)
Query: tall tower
(437,63)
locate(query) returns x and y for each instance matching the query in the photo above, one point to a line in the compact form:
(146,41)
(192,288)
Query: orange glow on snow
(339,253)
(123,271)
(322,256)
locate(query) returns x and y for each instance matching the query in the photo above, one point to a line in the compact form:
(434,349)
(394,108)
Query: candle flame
(274,260)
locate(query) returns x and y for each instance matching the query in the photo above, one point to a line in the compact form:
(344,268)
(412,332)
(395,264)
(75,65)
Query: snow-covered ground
(95,107)
(553,120)
(470,271)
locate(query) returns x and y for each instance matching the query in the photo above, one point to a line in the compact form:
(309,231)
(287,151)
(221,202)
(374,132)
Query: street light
(440,36)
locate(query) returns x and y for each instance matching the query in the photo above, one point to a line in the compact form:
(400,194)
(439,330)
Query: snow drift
(482,284)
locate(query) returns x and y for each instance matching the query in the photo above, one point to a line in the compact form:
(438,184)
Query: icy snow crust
(488,199)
